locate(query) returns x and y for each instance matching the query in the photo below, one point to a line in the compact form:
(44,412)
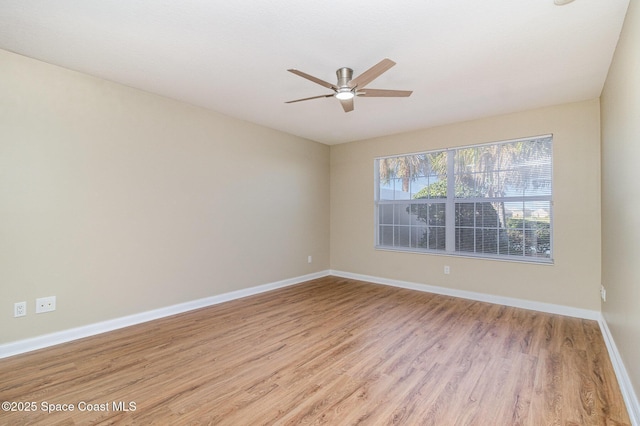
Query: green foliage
(531,235)
(490,234)
(439,190)
(435,190)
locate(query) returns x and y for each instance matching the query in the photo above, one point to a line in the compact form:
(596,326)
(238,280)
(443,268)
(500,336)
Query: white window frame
(450,202)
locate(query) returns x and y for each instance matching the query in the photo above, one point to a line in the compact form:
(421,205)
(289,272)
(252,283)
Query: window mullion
(450,218)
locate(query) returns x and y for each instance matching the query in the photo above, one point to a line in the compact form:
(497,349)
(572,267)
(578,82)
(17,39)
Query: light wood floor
(330,351)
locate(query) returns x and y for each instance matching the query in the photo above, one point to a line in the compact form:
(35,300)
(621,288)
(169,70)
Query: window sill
(511,259)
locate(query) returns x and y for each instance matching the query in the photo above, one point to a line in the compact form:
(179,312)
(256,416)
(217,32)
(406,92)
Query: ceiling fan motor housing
(344,76)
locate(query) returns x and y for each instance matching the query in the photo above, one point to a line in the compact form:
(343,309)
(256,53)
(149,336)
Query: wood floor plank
(330,351)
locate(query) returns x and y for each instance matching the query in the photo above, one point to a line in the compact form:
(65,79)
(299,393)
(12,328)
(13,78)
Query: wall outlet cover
(45,304)
(20,309)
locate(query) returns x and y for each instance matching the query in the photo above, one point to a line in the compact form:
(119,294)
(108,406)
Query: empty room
(284,213)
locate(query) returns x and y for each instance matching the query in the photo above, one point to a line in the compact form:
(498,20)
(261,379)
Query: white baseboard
(481,297)
(629,395)
(39,342)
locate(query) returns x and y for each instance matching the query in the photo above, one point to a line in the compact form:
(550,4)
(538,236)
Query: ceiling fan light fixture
(344,94)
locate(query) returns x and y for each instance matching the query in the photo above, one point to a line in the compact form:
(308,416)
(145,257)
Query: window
(491,200)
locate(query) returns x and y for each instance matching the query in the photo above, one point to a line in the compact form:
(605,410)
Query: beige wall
(574,279)
(117,201)
(621,195)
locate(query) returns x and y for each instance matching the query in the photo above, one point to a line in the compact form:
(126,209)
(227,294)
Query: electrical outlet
(20,309)
(45,304)
(309,259)
(603,293)
(447,270)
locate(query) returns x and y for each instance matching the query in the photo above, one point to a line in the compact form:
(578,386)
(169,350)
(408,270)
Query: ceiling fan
(347,88)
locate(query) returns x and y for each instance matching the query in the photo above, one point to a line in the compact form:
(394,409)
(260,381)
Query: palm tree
(411,167)
(489,169)
(493,170)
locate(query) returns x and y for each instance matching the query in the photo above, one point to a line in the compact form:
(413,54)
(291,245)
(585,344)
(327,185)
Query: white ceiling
(463,59)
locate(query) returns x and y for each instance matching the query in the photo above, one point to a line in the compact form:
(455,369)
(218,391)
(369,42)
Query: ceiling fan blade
(383,93)
(313,97)
(371,74)
(314,79)
(347,104)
